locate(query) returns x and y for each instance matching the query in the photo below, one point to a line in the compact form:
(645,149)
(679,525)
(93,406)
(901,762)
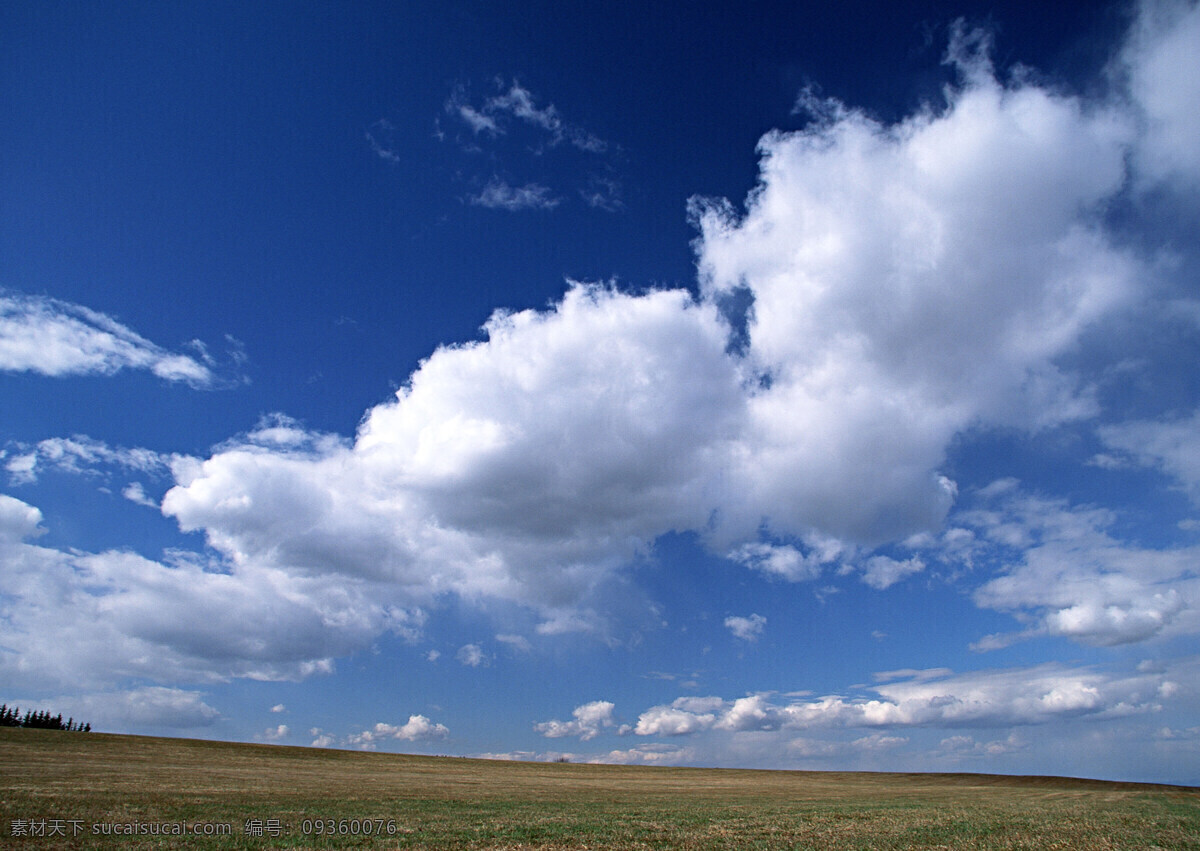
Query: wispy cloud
(499,195)
(81,455)
(1172,444)
(493,122)
(381,136)
(55,338)
(520,104)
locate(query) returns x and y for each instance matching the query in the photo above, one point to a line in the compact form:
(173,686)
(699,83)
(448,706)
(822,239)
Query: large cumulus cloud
(907,282)
(904,283)
(525,467)
(910,281)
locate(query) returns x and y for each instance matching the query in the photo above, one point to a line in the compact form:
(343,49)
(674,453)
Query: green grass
(429,802)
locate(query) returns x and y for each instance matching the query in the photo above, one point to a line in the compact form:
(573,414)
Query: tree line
(41,720)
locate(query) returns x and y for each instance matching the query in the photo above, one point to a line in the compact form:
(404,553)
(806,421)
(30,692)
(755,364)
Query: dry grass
(97,779)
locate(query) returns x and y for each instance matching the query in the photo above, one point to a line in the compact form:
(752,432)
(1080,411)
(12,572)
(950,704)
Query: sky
(794,386)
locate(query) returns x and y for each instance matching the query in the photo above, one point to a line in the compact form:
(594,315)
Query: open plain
(73,790)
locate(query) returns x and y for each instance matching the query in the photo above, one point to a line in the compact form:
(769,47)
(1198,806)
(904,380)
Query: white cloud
(517,642)
(1172,445)
(805,748)
(990,698)
(787,562)
(82,455)
(519,103)
(472,655)
(910,281)
(883,572)
(476,120)
(1159,63)
(51,337)
(381,138)
(321,739)
(529,467)
(79,453)
(535,129)
(648,754)
(276,734)
(416,729)
(136,493)
(747,629)
(138,709)
(684,716)
(18,520)
(89,620)
(1061,569)
(603,193)
(966,746)
(22,468)
(499,195)
(590,719)
(279,707)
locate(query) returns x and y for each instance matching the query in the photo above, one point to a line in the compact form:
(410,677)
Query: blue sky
(727,385)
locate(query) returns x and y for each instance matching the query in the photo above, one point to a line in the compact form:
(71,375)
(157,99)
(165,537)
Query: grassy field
(84,784)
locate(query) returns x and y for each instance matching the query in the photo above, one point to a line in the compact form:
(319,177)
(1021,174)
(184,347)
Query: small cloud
(276,734)
(590,719)
(321,739)
(279,707)
(883,572)
(417,728)
(787,562)
(433,656)
(381,137)
(519,103)
(966,746)
(825,592)
(472,655)
(134,492)
(517,642)
(476,120)
(22,469)
(747,629)
(1105,461)
(499,195)
(650,754)
(602,194)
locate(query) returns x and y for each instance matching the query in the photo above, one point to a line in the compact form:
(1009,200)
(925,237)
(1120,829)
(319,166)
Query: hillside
(87,788)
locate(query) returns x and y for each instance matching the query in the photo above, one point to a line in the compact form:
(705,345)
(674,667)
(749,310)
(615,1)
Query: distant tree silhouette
(40,720)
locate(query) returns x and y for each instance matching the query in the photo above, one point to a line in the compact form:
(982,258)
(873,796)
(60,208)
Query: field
(85,787)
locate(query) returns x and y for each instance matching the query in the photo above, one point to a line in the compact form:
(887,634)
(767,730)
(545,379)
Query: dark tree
(40,720)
